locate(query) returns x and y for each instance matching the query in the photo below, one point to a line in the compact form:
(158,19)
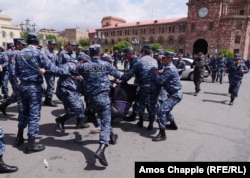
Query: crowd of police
(156,87)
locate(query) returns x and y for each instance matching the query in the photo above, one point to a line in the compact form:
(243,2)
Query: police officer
(15,97)
(180,64)
(68,91)
(147,85)
(129,54)
(4,168)
(31,64)
(170,81)
(49,77)
(97,88)
(199,64)
(4,75)
(220,66)
(236,70)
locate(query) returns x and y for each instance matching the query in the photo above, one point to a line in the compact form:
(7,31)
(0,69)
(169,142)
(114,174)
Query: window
(237,39)
(211,26)
(238,25)
(192,27)
(3,34)
(241,12)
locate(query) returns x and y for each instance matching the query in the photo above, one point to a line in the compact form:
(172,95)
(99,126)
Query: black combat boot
(113,138)
(80,123)
(48,102)
(33,147)
(171,126)
(4,168)
(140,122)
(231,101)
(151,124)
(19,139)
(3,107)
(161,136)
(60,122)
(131,118)
(99,154)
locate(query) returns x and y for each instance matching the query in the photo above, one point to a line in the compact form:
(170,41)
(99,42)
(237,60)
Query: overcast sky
(87,14)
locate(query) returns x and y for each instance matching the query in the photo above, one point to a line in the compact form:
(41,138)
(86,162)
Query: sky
(88,14)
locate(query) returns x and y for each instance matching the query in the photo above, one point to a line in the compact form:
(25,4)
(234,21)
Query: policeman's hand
(41,71)
(156,71)
(1,69)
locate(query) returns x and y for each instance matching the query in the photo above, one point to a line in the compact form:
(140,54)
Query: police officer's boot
(60,122)
(19,139)
(3,107)
(48,102)
(80,123)
(151,124)
(4,168)
(161,136)
(140,122)
(33,147)
(231,101)
(131,118)
(99,154)
(171,126)
(113,138)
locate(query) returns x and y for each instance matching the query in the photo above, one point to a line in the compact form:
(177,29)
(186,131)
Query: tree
(84,42)
(121,45)
(156,46)
(227,53)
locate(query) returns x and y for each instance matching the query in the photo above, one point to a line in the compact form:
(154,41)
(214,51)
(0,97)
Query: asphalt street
(208,130)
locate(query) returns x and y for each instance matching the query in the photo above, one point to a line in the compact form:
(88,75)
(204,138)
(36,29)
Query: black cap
(158,52)
(168,54)
(107,57)
(83,56)
(146,49)
(237,56)
(9,45)
(79,46)
(128,50)
(33,37)
(52,42)
(95,48)
(71,42)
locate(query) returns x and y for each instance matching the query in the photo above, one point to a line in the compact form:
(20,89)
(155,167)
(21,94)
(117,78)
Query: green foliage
(156,46)
(51,37)
(120,46)
(226,53)
(170,50)
(84,42)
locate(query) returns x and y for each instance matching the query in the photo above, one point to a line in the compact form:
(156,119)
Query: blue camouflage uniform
(15,97)
(50,77)
(220,66)
(96,91)
(170,81)
(2,143)
(4,75)
(67,89)
(212,65)
(29,61)
(143,69)
(235,75)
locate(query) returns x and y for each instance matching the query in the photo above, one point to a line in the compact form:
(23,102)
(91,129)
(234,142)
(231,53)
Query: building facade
(210,26)
(7,31)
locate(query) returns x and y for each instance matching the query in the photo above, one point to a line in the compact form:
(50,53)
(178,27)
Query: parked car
(188,73)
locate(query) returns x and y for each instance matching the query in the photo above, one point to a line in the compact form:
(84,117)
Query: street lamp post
(27,27)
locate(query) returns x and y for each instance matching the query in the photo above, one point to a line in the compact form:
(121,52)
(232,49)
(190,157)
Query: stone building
(210,26)
(7,31)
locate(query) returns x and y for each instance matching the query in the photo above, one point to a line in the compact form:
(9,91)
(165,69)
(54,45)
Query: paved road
(209,130)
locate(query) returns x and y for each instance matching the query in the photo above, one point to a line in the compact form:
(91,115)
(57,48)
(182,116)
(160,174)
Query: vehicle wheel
(191,76)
